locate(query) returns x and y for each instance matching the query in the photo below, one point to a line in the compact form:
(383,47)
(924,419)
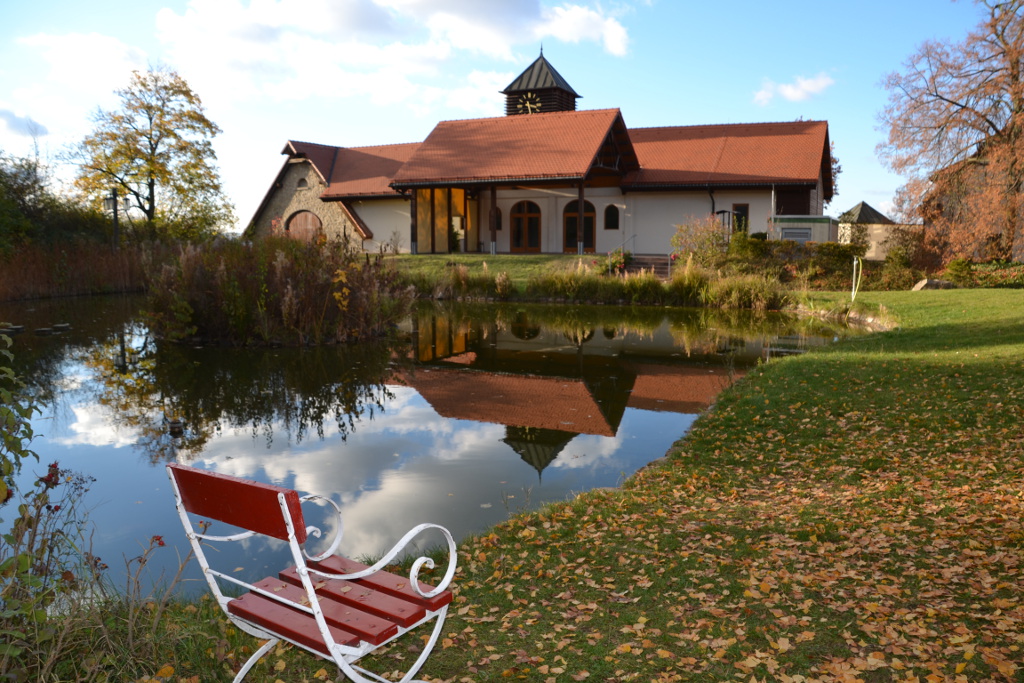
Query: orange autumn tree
(955,123)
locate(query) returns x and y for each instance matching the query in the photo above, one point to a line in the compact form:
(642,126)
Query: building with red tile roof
(548,178)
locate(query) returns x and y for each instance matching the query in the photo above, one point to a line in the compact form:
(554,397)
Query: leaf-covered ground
(851,514)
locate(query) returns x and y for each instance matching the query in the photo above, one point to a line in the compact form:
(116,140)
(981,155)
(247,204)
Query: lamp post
(110,204)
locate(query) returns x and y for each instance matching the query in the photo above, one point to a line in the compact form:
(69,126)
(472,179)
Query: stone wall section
(291,195)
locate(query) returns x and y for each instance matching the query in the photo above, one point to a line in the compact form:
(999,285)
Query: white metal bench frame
(249,505)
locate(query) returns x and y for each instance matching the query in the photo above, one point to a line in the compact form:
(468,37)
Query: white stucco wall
(388,219)
(654,216)
(647,220)
(552,203)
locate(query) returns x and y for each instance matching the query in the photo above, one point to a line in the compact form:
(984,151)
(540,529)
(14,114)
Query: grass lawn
(520,267)
(852,514)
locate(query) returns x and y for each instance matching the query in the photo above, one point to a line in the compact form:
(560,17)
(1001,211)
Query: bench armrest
(391,554)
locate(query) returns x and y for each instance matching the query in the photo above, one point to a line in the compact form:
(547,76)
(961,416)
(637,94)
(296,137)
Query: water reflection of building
(547,386)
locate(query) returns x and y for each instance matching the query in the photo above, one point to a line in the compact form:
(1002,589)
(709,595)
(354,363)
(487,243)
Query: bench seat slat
(373,629)
(358,594)
(291,624)
(385,582)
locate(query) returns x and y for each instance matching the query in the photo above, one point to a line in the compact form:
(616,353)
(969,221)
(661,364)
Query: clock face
(529,103)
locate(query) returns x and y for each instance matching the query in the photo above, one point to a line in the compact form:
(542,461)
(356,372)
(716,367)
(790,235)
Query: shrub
(961,272)
(834,257)
(705,239)
(999,275)
(747,248)
(897,272)
(616,261)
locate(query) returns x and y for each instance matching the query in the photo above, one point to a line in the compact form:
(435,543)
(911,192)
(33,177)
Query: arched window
(302,184)
(611,217)
(524,222)
(570,219)
(303,225)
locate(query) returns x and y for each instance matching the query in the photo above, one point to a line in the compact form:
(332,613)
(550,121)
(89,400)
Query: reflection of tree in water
(523,328)
(294,390)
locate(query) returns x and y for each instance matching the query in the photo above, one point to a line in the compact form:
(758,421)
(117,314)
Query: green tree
(31,211)
(156,150)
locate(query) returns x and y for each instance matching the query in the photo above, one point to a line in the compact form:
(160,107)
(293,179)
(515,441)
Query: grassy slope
(853,513)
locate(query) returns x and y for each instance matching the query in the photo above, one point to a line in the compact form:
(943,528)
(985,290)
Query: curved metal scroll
(391,554)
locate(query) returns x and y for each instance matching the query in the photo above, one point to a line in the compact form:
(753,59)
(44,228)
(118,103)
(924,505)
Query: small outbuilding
(866,223)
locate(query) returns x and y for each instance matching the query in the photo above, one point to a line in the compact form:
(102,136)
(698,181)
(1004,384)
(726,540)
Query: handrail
(631,239)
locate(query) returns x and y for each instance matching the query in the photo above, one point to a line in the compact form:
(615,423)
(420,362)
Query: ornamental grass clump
(745,291)
(276,290)
(689,285)
(643,287)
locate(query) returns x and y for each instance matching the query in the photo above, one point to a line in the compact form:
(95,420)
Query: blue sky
(366,72)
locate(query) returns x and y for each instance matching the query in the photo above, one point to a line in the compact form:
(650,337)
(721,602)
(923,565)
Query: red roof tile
(542,146)
(366,171)
(321,156)
(741,154)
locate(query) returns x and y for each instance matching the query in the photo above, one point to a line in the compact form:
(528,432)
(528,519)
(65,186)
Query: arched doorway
(525,225)
(570,219)
(303,225)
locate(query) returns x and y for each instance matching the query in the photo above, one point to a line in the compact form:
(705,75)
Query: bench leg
(256,656)
(360,675)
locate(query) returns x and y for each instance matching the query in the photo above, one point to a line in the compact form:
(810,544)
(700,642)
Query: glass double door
(570,227)
(525,224)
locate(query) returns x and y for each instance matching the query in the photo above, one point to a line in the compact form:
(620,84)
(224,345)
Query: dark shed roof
(864,213)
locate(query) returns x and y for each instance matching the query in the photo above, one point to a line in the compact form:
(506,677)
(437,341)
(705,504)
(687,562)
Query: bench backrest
(239,502)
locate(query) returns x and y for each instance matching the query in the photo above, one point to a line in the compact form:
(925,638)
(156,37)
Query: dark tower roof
(538,76)
(864,213)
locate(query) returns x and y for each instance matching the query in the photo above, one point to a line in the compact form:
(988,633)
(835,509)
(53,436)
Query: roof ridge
(535,117)
(314,144)
(320,144)
(394,144)
(727,125)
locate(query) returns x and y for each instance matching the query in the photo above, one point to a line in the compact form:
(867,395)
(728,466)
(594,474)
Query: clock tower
(539,90)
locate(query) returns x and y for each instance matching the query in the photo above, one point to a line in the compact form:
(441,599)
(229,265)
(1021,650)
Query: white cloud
(576,23)
(300,49)
(797,91)
(76,73)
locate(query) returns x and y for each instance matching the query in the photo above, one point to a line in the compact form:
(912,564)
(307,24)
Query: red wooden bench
(333,607)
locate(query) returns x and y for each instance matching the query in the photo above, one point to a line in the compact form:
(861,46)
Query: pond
(473,413)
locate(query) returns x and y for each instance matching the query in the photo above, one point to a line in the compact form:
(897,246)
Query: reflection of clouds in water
(93,425)
(416,466)
(406,412)
(588,451)
(439,463)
